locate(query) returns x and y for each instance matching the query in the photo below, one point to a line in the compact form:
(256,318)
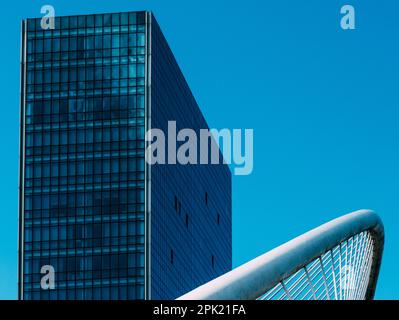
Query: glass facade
(190,204)
(83,185)
(85,196)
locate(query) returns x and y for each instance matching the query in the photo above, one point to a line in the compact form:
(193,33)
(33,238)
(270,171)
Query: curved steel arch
(253,279)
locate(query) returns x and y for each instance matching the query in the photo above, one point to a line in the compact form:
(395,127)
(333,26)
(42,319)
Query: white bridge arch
(339,260)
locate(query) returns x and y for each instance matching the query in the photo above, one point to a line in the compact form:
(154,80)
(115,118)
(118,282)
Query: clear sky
(323,104)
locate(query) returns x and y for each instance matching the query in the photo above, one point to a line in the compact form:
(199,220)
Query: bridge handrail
(251,280)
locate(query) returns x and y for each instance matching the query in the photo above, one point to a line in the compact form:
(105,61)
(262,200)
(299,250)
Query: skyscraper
(110,225)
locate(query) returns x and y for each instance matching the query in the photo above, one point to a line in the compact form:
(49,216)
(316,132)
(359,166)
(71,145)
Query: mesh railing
(342,273)
(339,260)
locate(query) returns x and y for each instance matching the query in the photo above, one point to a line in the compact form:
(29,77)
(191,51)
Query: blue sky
(323,104)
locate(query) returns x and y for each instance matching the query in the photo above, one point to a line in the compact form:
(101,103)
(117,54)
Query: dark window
(187,219)
(213,261)
(171,256)
(206,198)
(177,205)
(218,219)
